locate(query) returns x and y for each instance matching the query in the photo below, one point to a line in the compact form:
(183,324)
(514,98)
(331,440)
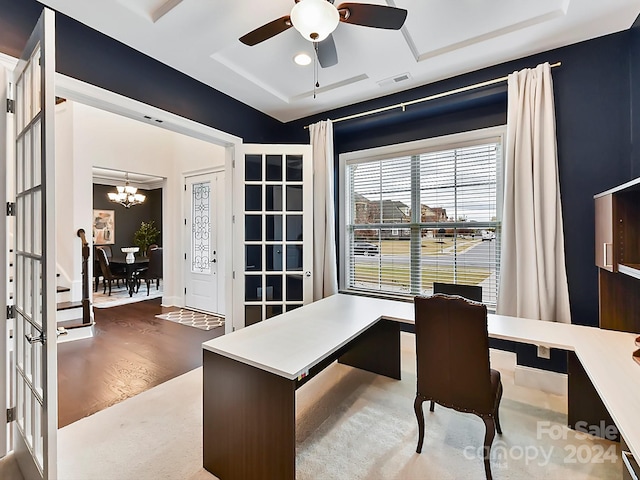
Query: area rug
(350,425)
(203,321)
(120,296)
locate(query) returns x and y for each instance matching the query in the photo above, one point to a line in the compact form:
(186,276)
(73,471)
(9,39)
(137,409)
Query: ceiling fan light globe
(314,19)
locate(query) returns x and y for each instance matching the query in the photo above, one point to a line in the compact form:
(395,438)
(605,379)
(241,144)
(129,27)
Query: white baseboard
(172,301)
(548,382)
(77,334)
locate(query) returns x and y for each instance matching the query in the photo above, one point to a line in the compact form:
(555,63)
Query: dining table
(130,268)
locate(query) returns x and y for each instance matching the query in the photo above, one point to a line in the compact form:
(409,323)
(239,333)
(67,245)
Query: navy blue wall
(87,55)
(592,95)
(597,123)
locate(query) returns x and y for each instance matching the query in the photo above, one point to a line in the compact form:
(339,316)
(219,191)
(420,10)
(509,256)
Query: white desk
(250,376)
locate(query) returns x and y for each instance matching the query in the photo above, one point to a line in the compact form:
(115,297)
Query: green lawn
(398,275)
(430,246)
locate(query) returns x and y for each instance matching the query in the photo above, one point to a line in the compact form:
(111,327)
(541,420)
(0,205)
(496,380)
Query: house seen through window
(424,212)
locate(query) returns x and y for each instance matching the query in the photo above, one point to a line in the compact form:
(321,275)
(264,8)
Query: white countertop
(289,344)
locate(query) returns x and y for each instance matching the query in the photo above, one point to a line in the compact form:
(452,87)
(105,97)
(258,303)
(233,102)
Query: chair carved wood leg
(497,412)
(432,406)
(417,406)
(110,282)
(489,434)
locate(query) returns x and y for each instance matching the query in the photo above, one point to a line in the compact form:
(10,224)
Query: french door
(205,266)
(36,408)
(274,228)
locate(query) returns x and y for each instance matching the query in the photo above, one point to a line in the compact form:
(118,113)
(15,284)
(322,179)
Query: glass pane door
(276,230)
(35,322)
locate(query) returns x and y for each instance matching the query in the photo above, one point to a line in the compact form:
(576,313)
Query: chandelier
(126,195)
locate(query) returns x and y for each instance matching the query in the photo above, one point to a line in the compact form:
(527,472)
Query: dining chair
(153,270)
(108,275)
(453,369)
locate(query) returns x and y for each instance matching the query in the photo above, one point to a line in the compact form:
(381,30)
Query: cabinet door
(604,232)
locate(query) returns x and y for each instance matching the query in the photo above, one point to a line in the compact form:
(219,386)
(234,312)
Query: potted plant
(146,235)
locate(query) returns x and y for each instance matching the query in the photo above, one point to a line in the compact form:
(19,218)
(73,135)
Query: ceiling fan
(317,19)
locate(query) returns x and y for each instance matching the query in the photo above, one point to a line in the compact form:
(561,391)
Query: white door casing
(34,245)
(273,231)
(206,252)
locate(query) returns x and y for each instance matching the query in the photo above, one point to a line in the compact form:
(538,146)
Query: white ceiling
(106,176)
(440,39)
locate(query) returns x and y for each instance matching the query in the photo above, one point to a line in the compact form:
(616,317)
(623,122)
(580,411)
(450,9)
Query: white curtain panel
(533,278)
(325,274)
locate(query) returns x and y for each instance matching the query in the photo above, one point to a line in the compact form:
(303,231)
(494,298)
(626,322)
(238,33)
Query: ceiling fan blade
(368,15)
(327,53)
(266,31)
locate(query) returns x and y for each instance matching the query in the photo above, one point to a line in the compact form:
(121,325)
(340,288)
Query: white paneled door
(274,231)
(205,258)
(34,245)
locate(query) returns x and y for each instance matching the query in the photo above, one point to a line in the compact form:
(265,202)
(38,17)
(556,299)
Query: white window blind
(425,215)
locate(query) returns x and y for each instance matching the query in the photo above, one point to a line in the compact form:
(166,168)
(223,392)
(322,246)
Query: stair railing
(86,312)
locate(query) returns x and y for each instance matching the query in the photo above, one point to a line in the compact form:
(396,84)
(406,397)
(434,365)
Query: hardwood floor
(131,352)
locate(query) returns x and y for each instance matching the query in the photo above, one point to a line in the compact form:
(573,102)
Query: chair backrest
(470,292)
(153,246)
(107,250)
(103,261)
(452,351)
(155,263)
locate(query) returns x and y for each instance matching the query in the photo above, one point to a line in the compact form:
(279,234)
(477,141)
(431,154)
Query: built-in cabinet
(617,254)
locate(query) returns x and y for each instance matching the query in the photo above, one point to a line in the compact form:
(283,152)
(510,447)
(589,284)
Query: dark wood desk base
(249,414)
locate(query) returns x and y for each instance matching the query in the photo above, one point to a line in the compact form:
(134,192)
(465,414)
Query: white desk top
(289,344)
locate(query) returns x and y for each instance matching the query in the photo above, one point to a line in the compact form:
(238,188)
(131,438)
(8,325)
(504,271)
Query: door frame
(100,98)
(227,237)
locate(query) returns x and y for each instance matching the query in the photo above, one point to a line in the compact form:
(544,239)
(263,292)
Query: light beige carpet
(350,425)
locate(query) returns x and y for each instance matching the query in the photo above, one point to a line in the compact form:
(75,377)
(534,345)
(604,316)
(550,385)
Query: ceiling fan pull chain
(315,70)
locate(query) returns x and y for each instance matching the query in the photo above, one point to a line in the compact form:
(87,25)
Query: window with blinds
(424,212)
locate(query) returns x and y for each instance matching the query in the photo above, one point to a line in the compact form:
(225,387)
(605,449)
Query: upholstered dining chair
(153,270)
(108,275)
(453,370)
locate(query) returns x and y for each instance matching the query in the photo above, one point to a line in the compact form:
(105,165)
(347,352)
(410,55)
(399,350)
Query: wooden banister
(86,312)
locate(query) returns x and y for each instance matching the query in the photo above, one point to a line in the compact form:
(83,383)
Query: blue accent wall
(597,99)
(592,96)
